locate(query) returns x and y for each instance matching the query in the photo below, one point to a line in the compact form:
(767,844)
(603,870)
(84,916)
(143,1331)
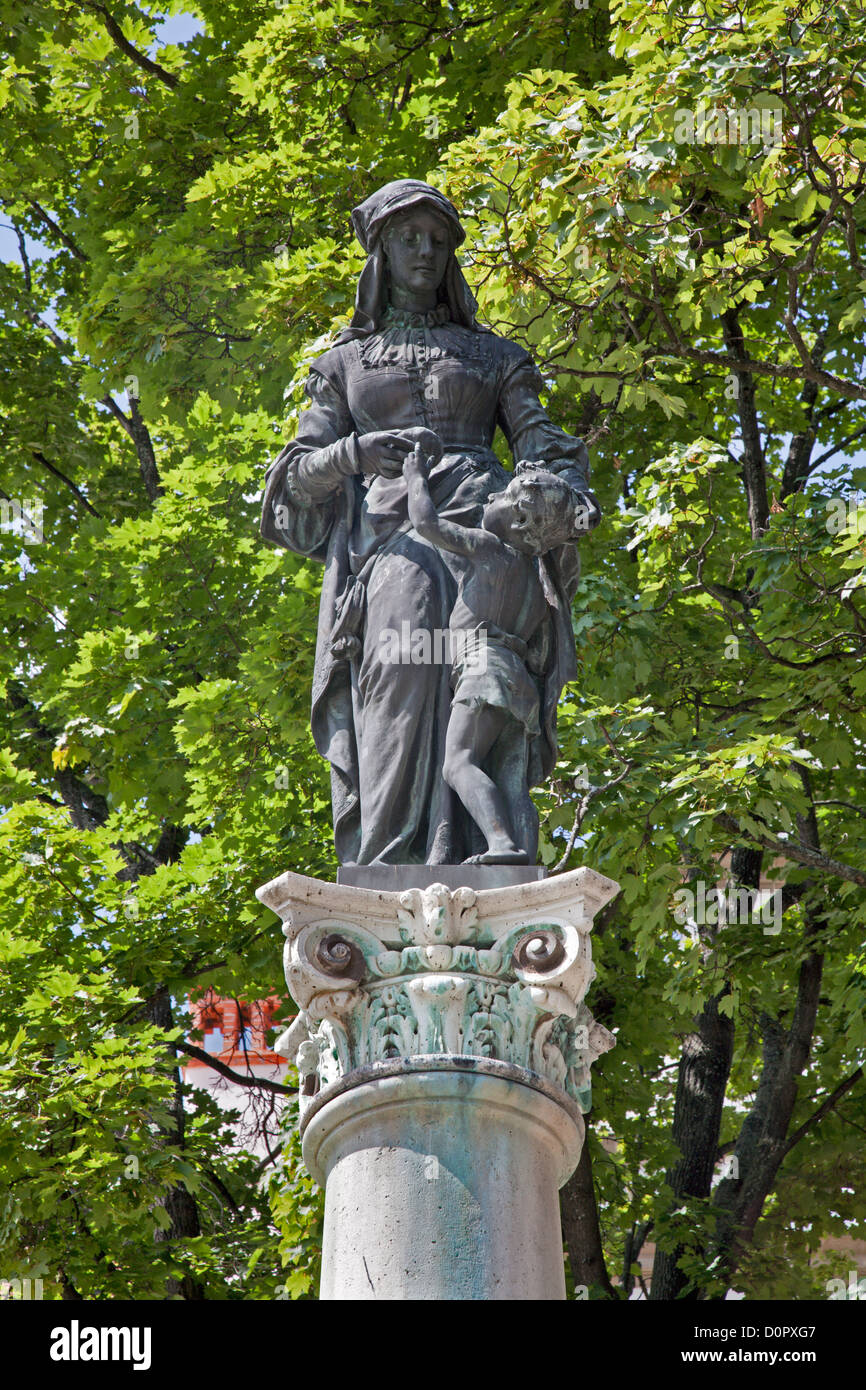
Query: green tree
(697,307)
(681,246)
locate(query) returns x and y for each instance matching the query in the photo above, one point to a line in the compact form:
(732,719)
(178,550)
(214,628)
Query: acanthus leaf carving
(429,971)
(437,914)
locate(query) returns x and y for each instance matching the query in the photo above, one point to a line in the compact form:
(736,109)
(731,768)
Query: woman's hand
(587,512)
(383,452)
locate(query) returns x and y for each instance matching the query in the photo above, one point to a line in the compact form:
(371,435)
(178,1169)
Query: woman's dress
(380,724)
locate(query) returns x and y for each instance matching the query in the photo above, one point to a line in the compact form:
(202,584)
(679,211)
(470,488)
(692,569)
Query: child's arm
(463,540)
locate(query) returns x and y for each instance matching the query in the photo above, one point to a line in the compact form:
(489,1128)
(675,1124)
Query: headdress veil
(368,221)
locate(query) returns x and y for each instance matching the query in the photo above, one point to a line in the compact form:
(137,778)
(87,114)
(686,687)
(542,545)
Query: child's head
(537,511)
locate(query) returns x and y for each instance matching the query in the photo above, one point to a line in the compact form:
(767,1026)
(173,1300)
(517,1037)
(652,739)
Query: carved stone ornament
(497,973)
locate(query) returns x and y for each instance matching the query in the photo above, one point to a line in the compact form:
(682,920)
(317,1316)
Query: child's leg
(471,734)
(508,768)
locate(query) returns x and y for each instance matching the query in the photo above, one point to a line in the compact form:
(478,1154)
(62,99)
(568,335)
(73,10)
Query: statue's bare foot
(499,856)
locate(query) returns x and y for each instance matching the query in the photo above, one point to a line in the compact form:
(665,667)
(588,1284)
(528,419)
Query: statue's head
(537,511)
(417,229)
(396,200)
(410,232)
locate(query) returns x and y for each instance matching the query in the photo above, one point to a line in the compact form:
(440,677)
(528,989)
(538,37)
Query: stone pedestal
(444,1050)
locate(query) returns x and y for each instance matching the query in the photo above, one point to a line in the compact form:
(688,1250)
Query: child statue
(497,632)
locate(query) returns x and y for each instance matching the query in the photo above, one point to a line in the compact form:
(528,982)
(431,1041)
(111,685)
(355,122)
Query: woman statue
(413,372)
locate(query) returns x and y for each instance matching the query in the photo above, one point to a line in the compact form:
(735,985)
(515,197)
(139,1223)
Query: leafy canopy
(697,308)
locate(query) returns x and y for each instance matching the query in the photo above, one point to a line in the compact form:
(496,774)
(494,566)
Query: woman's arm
(327,448)
(300,504)
(305,484)
(531,434)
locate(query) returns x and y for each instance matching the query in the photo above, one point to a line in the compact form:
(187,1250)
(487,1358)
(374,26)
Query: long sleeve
(304,485)
(530,432)
(533,436)
(324,450)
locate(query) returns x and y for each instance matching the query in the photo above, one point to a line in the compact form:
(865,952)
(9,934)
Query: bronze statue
(415,370)
(500,598)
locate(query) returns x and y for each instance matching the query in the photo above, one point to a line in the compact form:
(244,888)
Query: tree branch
(675,348)
(144,449)
(259,1082)
(118,414)
(25,263)
(849,439)
(138,432)
(135,55)
(57,230)
(801,854)
(797,465)
(40,458)
(823,1109)
(753,464)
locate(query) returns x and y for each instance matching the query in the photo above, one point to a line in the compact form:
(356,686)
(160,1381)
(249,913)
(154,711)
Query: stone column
(444,1050)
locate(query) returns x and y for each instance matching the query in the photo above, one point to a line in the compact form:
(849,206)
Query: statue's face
(417,247)
(509,515)
(528,518)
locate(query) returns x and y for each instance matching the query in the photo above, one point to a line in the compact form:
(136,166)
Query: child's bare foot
(499,856)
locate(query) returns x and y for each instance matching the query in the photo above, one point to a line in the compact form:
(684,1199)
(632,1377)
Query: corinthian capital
(495,973)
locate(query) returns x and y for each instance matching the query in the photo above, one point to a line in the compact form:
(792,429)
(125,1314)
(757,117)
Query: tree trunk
(754,468)
(701,1083)
(180,1204)
(702,1080)
(580,1228)
(762,1142)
